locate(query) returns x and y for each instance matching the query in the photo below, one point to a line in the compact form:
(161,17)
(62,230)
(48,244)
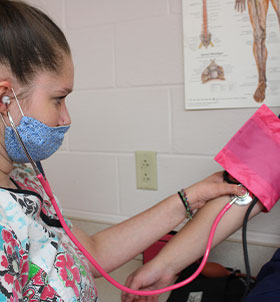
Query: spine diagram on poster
(205,36)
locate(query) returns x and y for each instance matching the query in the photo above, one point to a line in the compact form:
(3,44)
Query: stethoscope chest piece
(242,200)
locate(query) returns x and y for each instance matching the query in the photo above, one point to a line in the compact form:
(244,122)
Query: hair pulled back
(29,41)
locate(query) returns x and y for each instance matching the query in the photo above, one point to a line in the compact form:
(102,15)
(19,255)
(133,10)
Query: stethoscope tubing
(48,190)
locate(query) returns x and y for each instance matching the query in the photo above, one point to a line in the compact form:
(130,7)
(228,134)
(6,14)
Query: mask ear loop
(3,120)
(17,101)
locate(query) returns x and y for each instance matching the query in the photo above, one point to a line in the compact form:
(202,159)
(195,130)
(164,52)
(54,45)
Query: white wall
(129,96)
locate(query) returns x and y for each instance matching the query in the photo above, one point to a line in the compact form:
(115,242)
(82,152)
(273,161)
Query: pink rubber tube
(48,190)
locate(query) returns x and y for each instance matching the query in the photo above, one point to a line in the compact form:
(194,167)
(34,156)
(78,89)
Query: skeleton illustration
(205,36)
(258,12)
(212,72)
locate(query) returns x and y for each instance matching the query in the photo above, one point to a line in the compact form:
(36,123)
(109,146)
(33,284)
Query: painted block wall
(129,96)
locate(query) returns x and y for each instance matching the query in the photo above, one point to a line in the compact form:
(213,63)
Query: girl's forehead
(62,80)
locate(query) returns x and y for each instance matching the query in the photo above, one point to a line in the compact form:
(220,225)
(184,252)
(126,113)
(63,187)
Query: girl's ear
(5,88)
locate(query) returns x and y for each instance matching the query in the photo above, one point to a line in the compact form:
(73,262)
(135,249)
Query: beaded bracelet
(184,199)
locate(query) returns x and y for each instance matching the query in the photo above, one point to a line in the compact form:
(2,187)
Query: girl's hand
(210,188)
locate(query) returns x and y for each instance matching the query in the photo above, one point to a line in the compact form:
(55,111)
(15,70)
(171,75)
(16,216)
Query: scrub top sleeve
(14,266)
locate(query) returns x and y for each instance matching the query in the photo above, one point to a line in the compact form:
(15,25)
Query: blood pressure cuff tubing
(252,156)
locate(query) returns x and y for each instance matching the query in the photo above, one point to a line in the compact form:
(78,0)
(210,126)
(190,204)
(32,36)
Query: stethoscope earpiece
(6,100)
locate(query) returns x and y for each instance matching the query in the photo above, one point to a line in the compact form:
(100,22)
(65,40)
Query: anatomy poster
(231,53)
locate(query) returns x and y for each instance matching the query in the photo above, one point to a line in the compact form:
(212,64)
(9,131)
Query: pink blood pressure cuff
(252,156)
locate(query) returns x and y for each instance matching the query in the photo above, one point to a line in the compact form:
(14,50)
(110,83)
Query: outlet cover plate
(146,170)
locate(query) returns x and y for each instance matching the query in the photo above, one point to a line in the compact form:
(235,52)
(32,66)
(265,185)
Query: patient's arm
(187,246)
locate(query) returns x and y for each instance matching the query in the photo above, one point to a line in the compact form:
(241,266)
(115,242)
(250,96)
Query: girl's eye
(59,100)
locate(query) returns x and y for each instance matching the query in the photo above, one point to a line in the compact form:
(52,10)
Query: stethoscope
(240,200)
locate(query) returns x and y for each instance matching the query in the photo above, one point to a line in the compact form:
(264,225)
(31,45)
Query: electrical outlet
(146,170)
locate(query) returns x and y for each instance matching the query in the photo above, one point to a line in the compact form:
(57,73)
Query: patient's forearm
(190,243)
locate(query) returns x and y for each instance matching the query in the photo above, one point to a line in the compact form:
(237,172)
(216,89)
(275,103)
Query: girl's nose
(65,118)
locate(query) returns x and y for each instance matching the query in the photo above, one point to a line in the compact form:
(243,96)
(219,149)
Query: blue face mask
(40,140)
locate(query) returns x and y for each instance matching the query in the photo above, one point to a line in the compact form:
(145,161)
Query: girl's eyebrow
(64,90)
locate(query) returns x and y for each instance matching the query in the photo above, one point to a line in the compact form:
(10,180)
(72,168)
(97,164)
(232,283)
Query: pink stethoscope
(48,191)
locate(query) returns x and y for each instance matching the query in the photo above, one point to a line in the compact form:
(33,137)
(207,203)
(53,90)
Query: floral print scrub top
(38,261)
